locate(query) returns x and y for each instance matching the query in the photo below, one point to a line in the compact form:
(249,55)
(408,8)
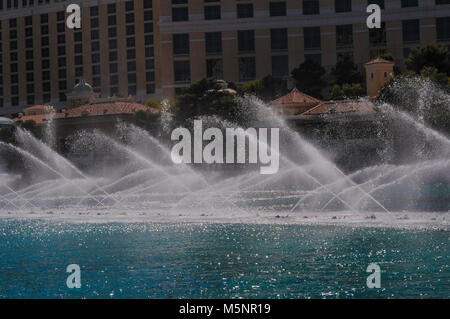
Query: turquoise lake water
(220,261)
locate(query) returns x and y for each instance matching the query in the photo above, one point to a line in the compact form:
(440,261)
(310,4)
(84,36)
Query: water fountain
(136,180)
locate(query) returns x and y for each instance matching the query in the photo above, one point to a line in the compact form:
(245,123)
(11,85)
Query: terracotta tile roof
(37,107)
(295,98)
(349,107)
(97,109)
(378,60)
(38,118)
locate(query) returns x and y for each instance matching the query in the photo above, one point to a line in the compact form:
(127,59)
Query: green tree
(434,75)
(154,104)
(148,121)
(7,134)
(346,72)
(267,88)
(309,78)
(31,126)
(346,91)
(431,55)
(206,98)
(386,56)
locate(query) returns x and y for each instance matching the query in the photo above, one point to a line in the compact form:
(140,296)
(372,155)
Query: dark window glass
(246,41)
(129,18)
(279,39)
(148,15)
(182,71)
(131,54)
(311,7)
(180,44)
(148,27)
(113,68)
(377,36)
(247,69)
(129,5)
(149,64)
(280,66)
(112,8)
(317,58)
(379,2)
(245,10)
(180,14)
(94,11)
(277,9)
(214,68)
(410,3)
(212,12)
(112,20)
(213,42)
(410,30)
(343,5)
(312,38)
(344,36)
(148,4)
(443,29)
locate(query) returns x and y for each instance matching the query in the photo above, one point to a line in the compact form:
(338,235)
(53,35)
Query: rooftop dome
(6,121)
(82,87)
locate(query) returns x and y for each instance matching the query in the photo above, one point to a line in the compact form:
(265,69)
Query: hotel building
(155,49)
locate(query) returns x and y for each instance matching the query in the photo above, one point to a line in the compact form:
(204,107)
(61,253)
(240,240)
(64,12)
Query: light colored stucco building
(154,49)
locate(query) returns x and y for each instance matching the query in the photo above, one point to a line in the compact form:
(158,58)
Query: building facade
(41,59)
(155,49)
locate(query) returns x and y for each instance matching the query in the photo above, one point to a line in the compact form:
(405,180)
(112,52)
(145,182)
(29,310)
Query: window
(180,14)
(244,10)
(132,78)
(113,68)
(148,15)
(311,7)
(182,71)
(443,29)
(111,8)
(131,66)
(247,69)
(312,38)
(79,60)
(131,54)
(344,36)
(317,58)
(213,42)
(212,12)
(94,11)
(411,32)
(129,6)
(112,20)
(132,90)
(129,18)
(409,3)
(148,4)
(379,2)
(279,39)
(343,5)
(280,66)
(377,37)
(180,44)
(246,41)
(442,2)
(277,9)
(214,68)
